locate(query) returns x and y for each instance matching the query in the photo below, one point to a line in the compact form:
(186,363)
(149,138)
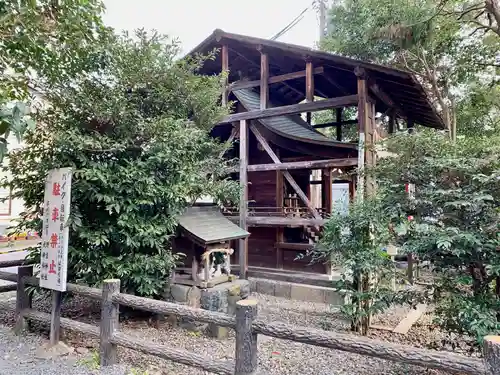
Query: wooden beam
(335,123)
(297,278)
(225,70)
(294,246)
(309,87)
(275,221)
(243,244)
(343,101)
(231,138)
(238,85)
(309,164)
(335,84)
(339,127)
(391,122)
(379,93)
(264,81)
(286,174)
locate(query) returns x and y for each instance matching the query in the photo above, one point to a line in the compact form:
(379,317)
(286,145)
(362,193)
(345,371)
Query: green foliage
(445,55)
(355,242)
(91,362)
(349,132)
(456,224)
(136,133)
(42,41)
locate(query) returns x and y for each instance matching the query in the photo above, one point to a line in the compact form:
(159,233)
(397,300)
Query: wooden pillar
(279,230)
(55,317)
(225,69)
(23,299)
(339,126)
(391,122)
(109,322)
(243,244)
(491,354)
(363,121)
(264,80)
(246,338)
(326,188)
(411,126)
(309,87)
(411,258)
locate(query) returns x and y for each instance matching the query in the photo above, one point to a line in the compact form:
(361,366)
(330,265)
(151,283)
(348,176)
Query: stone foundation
(298,292)
(221,298)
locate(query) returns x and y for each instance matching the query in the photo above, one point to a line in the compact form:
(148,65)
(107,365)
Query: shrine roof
(207,225)
(290,126)
(338,78)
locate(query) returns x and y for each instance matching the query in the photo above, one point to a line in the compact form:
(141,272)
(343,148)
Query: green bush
(136,132)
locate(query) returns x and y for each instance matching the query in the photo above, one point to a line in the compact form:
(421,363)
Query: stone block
(194,297)
(265,287)
(283,289)
(309,293)
(214,299)
(334,297)
(179,293)
(217,332)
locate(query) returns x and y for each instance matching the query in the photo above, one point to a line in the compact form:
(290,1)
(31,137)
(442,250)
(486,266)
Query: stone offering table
(220,298)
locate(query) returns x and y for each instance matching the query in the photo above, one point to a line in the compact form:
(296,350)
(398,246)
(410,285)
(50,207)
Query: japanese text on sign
(54,252)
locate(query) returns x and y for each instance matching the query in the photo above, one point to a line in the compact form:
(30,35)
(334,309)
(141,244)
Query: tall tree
(136,132)
(42,41)
(417,36)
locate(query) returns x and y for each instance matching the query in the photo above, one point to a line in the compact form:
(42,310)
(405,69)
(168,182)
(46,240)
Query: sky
(193,20)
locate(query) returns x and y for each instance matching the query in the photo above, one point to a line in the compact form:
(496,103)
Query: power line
(294,22)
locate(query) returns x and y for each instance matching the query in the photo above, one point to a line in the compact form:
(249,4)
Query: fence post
(109,321)
(491,353)
(23,299)
(246,339)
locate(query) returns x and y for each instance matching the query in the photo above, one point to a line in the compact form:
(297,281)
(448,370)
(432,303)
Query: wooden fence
(246,324)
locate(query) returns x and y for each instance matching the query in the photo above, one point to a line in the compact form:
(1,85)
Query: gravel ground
(276,357)
(18,357)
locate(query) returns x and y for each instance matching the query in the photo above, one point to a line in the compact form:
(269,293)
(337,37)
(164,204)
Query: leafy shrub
(136,133)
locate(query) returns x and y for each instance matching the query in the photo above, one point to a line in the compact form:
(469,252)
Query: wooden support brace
(231,138)
(286,174)
(274,79)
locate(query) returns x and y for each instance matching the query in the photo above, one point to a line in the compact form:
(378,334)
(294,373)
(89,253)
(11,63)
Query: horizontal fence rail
(180,356)
(373,348)
(15,263)
(168,308)
(247,326)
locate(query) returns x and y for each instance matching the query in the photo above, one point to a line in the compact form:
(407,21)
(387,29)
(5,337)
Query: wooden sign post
(54,252)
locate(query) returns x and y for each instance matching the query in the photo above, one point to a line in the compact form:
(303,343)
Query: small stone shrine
(206,282)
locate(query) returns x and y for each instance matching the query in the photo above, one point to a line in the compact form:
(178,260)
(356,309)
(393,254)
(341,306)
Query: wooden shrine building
(289,171)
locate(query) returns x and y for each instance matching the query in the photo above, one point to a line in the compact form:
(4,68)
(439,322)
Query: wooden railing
(247,326)
(299,212)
